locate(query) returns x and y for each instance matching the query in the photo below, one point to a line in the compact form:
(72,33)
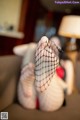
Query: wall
(10,12)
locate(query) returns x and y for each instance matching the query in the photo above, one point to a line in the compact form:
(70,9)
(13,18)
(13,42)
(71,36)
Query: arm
(69,76)
(20,49)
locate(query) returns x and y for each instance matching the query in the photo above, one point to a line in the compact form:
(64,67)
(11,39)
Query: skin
(68,66)
(51,92)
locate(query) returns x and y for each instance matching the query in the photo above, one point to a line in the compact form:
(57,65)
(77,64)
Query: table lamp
(70,27)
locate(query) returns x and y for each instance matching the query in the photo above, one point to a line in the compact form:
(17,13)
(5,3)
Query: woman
(39,82)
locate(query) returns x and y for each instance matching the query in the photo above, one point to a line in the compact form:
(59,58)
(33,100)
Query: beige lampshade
(70,26)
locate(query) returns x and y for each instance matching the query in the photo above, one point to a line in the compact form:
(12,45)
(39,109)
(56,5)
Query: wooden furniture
(8,39)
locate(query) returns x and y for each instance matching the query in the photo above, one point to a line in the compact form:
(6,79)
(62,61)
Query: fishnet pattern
(26,88)
(45,65)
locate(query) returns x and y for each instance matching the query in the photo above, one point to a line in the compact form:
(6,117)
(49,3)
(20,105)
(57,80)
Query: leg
(26,91)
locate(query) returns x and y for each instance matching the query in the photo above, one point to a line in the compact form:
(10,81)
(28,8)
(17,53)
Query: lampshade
(70,26)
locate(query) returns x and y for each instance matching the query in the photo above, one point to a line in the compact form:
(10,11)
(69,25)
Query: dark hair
(63,56)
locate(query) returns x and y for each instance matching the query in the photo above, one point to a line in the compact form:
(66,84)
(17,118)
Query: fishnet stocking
(45,64)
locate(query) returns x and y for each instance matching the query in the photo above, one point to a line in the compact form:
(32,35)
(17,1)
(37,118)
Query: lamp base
(71,45)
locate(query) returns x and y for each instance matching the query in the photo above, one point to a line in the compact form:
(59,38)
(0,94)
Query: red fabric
(60,72)
(37,103)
